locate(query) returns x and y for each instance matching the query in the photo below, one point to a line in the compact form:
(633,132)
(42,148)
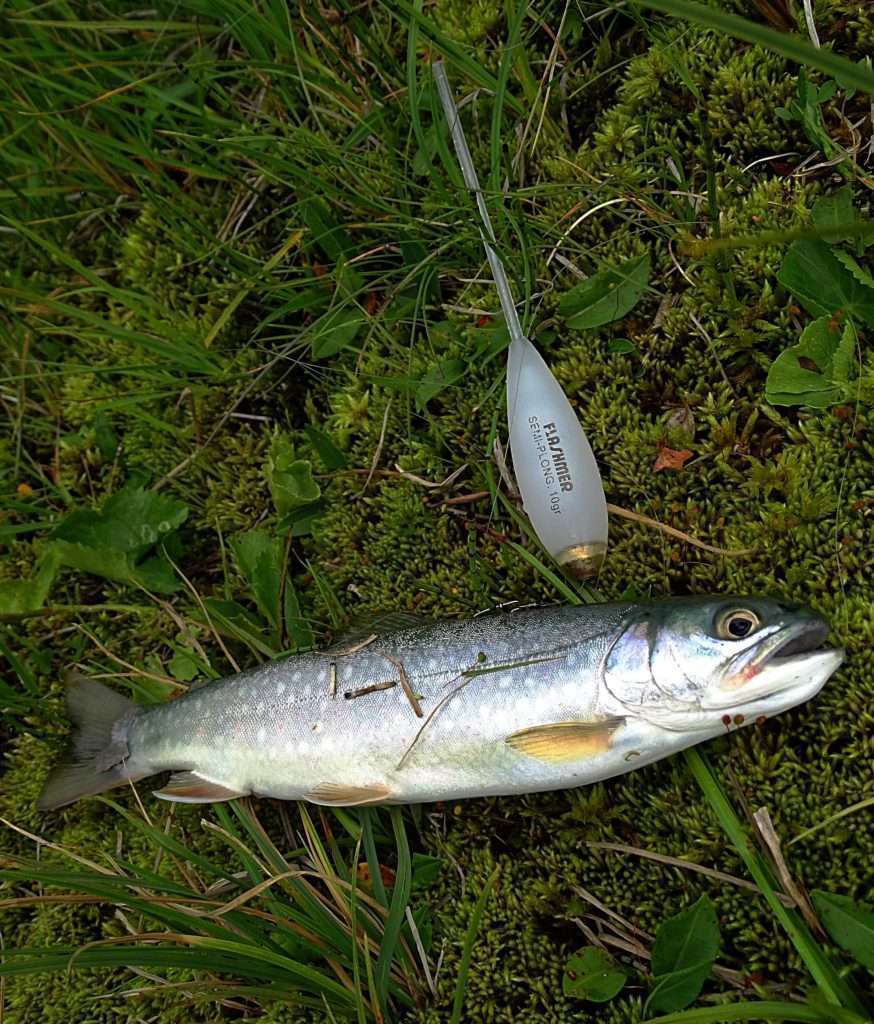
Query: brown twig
(615,510)
(166,680)
(686,865)
(465,499)
(194,593)
(430,484)
(769,834)
(636,517)
(378,451)
(503,468)
(595,902)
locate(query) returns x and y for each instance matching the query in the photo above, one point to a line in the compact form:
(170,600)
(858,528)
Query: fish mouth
(791,657)
(791,642)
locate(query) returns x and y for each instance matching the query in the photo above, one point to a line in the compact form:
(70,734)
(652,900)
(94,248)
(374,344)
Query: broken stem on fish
(374,688)
(467,676)
(439,707)
(405,684)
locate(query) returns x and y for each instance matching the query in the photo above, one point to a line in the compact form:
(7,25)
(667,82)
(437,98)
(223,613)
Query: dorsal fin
(382,624)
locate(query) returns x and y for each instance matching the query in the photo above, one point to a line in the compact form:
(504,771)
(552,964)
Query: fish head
(693,663)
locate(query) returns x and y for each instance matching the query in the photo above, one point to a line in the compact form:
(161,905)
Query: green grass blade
(407,12)
(399,901)
(371,854)
(758,1011)
(302,973)
(469,941)
(832,985)
(786,43)
(563,588)
(500,97)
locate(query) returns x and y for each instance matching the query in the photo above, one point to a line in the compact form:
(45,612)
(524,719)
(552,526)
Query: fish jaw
(780,684)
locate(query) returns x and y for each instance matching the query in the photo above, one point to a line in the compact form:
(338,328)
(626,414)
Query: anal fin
(335,794)
(561,742)
(191,788)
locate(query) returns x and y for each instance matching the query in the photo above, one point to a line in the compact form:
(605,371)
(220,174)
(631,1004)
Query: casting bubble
(555,469)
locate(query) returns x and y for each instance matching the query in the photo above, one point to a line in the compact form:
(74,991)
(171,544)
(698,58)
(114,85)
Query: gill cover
(645,670)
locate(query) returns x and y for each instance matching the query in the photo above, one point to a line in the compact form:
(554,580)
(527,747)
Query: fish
(506,703)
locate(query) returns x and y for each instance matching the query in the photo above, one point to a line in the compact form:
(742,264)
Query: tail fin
(97,761)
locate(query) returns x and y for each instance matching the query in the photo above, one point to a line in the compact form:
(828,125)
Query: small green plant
(831,284)
(850,924)
(605,296)
(683,954)
(126,540)
(807,111)
(593,974)
(262,555)
(814,372)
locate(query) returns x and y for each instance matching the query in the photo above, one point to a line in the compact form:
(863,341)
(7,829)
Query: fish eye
(737,624)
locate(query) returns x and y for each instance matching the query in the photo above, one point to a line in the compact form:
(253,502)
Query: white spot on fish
(307,690)
(262,735)
(302,747)
(280,689)
(433,664)
(504,682)
(296,677)
(259,708)
(289,746)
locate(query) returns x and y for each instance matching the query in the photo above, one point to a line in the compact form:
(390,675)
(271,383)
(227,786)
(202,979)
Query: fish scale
(510,702)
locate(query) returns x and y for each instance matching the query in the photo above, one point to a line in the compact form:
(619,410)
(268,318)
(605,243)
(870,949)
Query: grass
(284,923)
(225,222)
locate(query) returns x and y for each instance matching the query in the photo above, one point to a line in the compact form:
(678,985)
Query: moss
(792,485)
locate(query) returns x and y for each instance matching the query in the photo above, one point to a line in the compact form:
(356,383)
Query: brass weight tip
(583,561)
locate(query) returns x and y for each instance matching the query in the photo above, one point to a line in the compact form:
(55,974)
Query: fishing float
(556,471)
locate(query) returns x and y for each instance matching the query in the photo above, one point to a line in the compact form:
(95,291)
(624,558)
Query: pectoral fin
(191,788)
(334,794)
(560,742)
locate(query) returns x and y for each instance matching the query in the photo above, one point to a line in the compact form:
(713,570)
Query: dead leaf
(670,458)
(366,880)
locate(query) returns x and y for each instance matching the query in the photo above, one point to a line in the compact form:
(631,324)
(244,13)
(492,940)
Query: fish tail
(98,759)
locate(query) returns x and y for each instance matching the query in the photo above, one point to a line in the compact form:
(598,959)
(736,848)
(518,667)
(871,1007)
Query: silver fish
(539,699)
